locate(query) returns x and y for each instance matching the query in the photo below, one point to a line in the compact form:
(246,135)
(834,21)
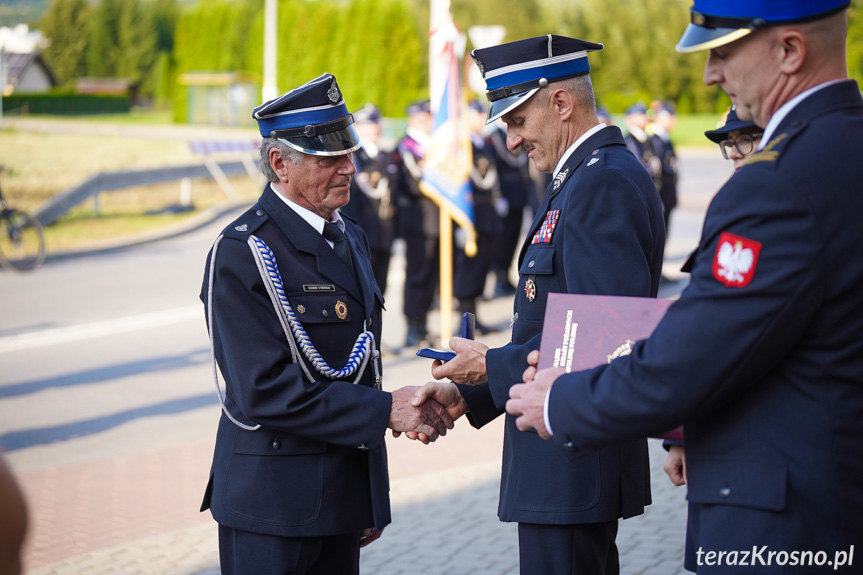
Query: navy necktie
(334,233)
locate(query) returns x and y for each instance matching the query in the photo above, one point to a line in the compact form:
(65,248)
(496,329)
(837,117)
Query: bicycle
(22,243)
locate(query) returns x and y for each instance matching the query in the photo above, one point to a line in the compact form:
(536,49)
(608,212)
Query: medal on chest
(546,230)
(530,289)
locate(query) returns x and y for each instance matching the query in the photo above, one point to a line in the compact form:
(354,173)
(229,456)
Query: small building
(220,98)
(26,74)
(24,70)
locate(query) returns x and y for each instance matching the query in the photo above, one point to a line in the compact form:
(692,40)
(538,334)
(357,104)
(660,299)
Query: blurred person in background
(664,120)
(419,225)
(470,273)
(371,204)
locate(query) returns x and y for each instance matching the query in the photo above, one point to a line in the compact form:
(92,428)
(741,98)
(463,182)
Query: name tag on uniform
(316,288)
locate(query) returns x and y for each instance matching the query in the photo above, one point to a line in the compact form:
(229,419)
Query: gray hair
(287,152)
(581,89)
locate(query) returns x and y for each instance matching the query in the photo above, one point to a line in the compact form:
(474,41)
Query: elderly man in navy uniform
(761,358)
(371,204)
(598,231)
(299,476)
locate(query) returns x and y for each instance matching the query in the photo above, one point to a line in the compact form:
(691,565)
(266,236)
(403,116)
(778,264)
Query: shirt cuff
(545,413)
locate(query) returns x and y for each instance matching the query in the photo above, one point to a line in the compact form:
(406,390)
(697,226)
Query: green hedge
(66,104)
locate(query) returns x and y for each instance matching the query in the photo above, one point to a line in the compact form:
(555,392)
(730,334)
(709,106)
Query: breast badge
(341,309)
(530,289)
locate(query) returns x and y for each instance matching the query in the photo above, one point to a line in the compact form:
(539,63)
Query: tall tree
(103,52)
(136,44)
(64,24)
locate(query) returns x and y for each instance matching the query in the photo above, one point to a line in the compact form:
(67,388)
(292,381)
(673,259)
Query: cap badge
(242,228)
(558,179)
(735,260)
(341,309)
(333,92)
(530,289)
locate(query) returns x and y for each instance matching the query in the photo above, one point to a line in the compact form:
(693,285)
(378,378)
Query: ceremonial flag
(448,162)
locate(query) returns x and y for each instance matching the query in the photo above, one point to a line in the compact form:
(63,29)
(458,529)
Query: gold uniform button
(301,309)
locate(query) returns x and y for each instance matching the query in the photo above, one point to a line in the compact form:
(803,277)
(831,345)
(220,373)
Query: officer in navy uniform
(598,231)
(419,224)
(299,476)
(659,131)
(470,273)
(761,358)
(371,204)
(639,143)
(518,191)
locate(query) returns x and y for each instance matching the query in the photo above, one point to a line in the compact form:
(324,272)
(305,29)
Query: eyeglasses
(744,144)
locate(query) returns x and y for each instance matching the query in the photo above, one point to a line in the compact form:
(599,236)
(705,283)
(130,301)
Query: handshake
(427,412)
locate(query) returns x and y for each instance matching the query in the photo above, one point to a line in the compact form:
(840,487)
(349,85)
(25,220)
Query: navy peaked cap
(515,71)
(312,119)
(718,22)
(637,108)
(732,123)
(418,107)
(368,114)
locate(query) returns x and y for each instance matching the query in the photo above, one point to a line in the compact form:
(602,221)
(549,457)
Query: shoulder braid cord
(269,270)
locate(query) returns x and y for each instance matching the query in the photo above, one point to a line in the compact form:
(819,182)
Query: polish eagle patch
(735,260)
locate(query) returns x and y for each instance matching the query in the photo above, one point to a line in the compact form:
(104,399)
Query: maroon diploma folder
(584,331)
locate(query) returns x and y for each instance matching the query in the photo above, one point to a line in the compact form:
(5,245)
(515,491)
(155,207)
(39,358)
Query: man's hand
(369,535)
(468,365)
(446,394)
(428,420)
(675,465)
(527,401)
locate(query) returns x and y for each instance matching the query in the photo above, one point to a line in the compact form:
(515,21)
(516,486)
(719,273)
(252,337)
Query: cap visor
(336,143)
(503,106)
(720,134)
(695,38)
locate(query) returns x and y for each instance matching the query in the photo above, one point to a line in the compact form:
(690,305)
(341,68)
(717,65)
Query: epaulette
(776,146)
(246,224)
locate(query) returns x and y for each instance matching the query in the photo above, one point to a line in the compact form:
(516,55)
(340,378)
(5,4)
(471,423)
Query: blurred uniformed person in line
(518,192)
(638,141)
(761,358)
(372,205)
(659,130)
(299,477)
(470,273)
(419,225)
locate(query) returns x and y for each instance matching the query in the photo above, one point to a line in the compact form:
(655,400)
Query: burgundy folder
(584,331)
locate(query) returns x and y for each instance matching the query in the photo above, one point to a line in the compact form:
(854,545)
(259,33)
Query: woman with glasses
(737,139)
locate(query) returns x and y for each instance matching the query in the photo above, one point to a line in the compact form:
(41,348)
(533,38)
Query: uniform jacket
(762,361)
(666,183)
(609,239)
(418,215)
(372,205)
(317,465)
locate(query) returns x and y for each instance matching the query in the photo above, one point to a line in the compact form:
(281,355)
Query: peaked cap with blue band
(718,22)
(312,119)
(515,71)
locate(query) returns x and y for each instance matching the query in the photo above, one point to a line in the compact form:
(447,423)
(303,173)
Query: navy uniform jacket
(371,204)
(303,473)
(763,363)
(609,239)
